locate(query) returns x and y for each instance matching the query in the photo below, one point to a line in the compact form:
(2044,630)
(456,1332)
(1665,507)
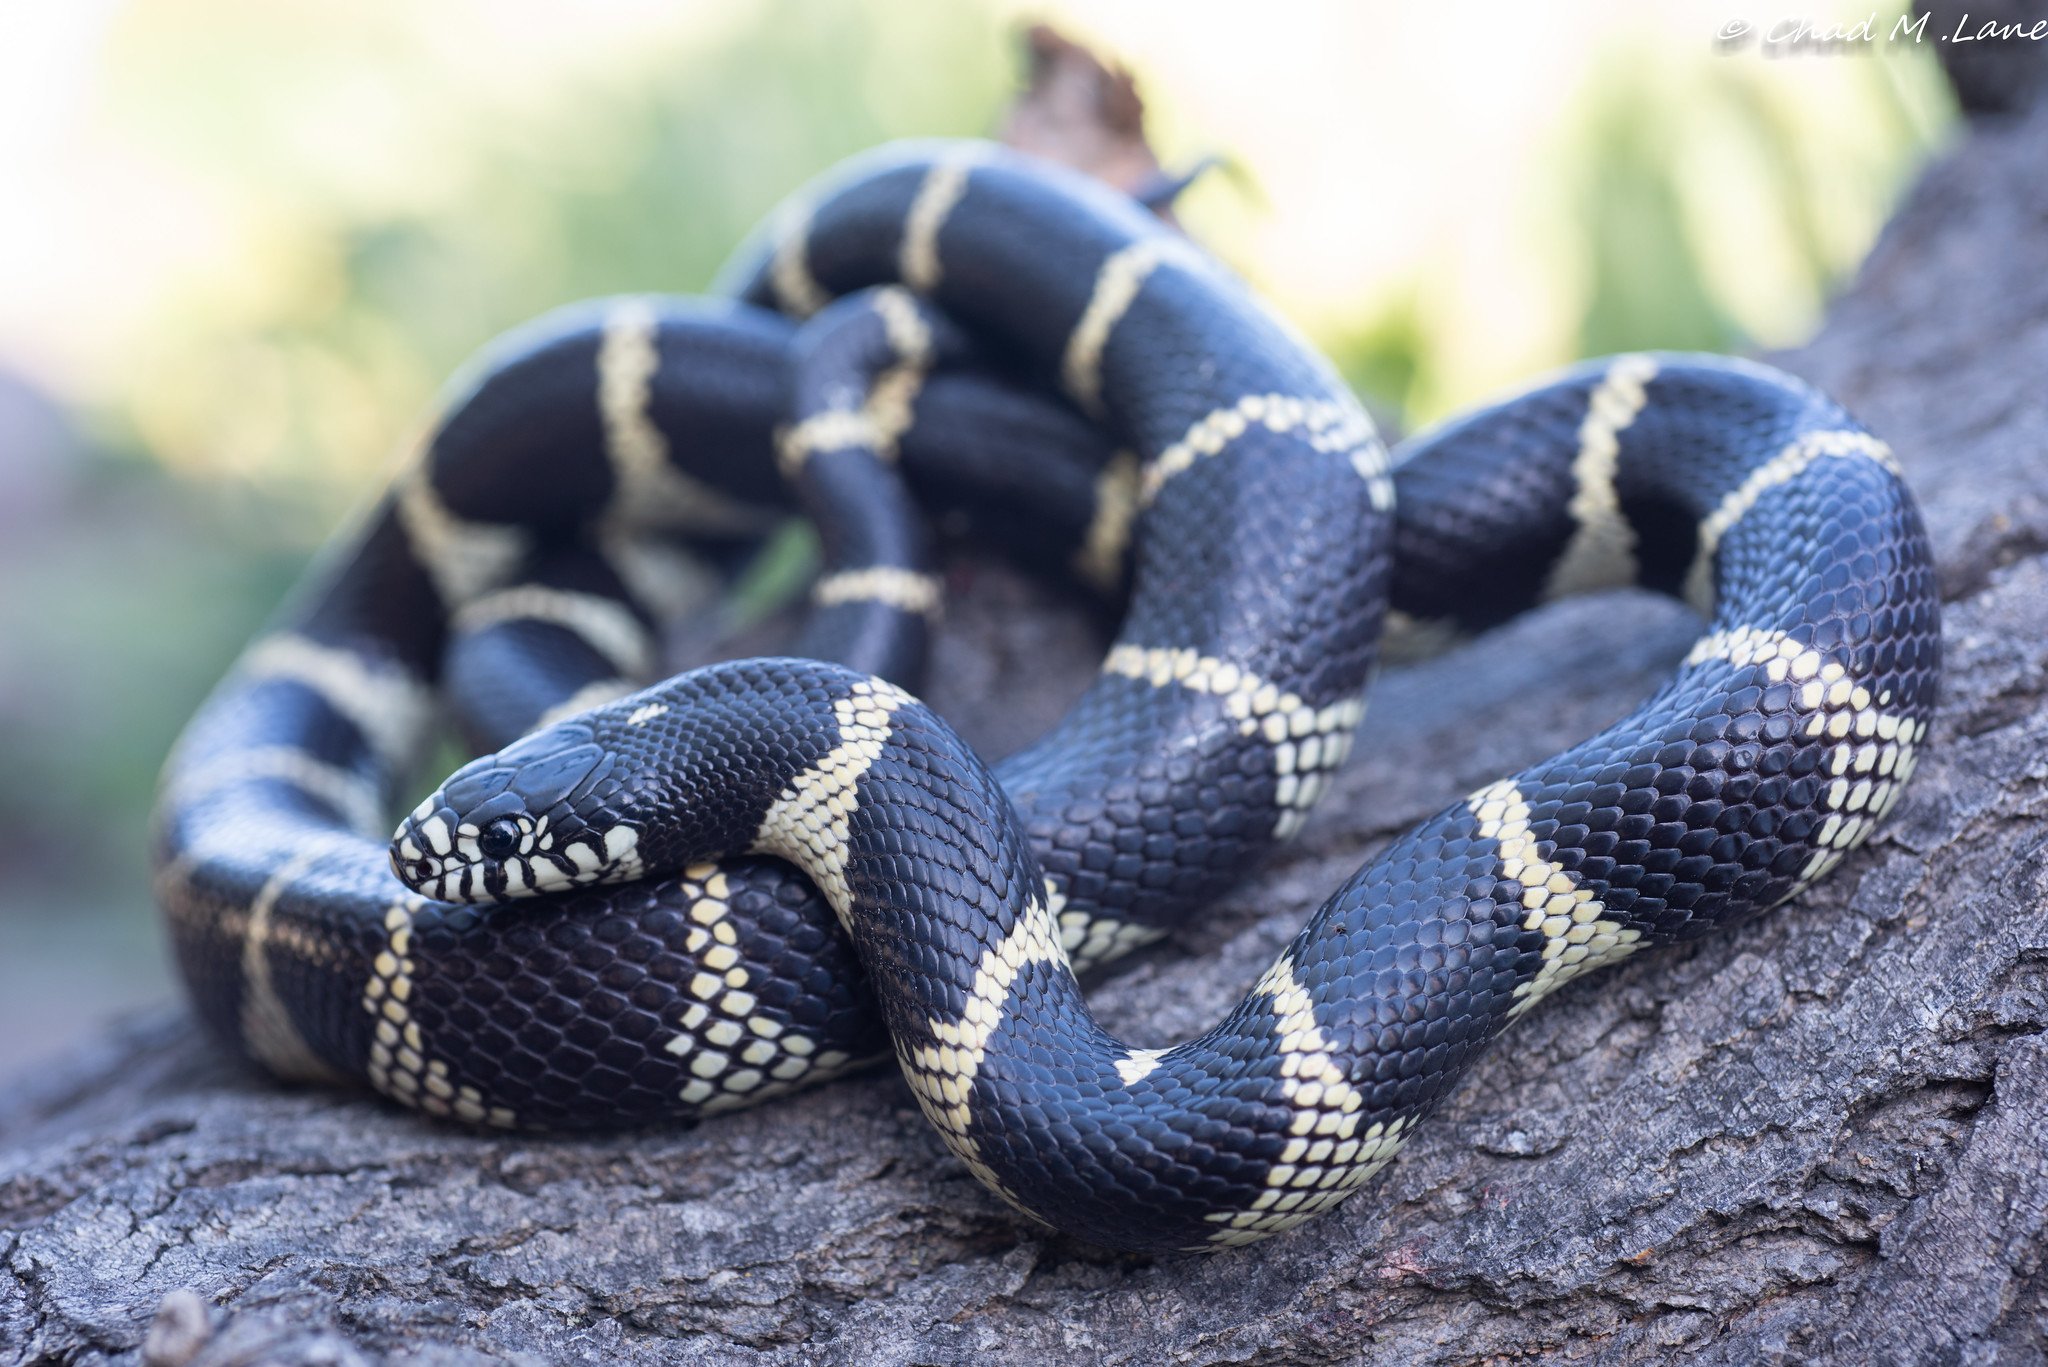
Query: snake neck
(919,852)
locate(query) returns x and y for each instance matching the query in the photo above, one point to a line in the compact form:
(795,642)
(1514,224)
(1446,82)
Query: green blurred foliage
(1694,210)
(270,394)
(114,629)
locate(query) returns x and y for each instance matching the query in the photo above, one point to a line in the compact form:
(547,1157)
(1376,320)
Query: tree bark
(1817,1137)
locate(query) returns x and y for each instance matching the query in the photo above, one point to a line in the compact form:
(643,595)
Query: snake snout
(498,831)
(424,848)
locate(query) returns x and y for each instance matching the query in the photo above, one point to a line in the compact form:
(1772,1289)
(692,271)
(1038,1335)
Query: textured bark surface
(1817,1137)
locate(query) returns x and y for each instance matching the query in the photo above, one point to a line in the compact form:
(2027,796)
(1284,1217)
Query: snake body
(672,970)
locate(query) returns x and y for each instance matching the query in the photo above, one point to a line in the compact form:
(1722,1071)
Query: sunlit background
(243,241)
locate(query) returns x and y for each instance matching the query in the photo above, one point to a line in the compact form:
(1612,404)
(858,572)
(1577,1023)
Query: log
(1816,1137)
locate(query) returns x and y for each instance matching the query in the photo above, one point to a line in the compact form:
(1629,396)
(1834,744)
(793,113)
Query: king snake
(887,346)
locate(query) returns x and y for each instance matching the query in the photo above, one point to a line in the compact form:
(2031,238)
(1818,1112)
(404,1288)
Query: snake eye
(500,839)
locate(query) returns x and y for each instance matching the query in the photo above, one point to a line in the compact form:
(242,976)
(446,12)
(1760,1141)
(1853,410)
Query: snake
(646,904)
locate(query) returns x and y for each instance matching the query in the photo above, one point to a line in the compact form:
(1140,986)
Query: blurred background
(244,241)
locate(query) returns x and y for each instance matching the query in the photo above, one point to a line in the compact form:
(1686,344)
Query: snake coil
(625,911)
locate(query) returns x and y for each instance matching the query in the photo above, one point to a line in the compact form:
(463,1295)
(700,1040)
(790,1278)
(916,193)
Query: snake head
(535,817)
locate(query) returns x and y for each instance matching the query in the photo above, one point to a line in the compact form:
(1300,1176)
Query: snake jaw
(507,855)
(530,819)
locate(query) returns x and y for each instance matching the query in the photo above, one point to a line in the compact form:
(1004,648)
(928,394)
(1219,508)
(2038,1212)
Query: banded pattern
(1787,464)
(1577,935)
(522,563)
(1329,426)
(651,489)
(1601,552)
(909,590)
(736,1053)
(857,369)
(1333,1147)
(1086,287)
(667,972)
(1308,743)
(814,813)
(1117,283)
(1772,752)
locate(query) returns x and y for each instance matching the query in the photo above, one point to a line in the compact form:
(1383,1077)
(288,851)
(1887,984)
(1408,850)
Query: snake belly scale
(649,961)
